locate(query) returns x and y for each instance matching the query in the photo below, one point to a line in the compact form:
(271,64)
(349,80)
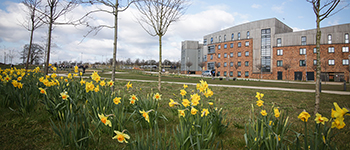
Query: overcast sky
(201,18)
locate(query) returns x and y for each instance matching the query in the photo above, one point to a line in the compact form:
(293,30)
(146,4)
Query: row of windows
(246,63)
(238,73)
(302,51)
(239,54)
(329,39)
(231,45)
(225,39)
(303,62)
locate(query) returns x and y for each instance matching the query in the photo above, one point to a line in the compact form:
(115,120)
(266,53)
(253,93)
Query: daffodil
(110,83)
(103,83)
(104,120)
(172,103)
(19,78)
(19,85)
(64,95)
(82,82)
(303,116)
(128,85)
(97,88)
(263,112)
(89,86)
(69,76)
(339,113)
(320,119)
(185,86)
(186,102)
(53,75)
(211,103)
(132,101)
(182,112)
(259,103)
(183,92)
(276,112)
(133,97)
(157,96)
(198,86)
(14,83)
(116,100)
(259,95)
(194,102)
(42,91)
(145,115)
(121,137)
(194,111)
(204,112)
(338,123)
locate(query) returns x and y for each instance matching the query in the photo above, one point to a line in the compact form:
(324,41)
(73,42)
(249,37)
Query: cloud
(278,8)
(333,22)
(295,29)
(256,6)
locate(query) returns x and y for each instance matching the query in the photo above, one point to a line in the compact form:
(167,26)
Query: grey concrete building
(191,51)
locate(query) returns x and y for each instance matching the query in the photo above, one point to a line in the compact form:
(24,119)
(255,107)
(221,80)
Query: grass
(34,132)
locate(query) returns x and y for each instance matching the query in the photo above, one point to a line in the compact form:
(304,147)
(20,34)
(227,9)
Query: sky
(202,17)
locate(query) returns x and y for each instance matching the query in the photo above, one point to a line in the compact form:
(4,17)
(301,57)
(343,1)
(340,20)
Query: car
(206,73)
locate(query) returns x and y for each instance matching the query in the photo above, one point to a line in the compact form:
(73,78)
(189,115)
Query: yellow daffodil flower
(104,120)
(42,91)
(157,96)
(338,123)
(19,78)
(183,92)
(339,113)
(263,112)
(194,111)
(320,119)
(181,112)
(89,86)
(116,100)
(303,116)
(128,85)
(64,95)
(145,115)
(259,103)
(186,102)
(259,95)
(204,112)
(172,103)
(133,97)
(103,83)
(276,112)
(97,88)
(121,137)
(185,86)
(110,83)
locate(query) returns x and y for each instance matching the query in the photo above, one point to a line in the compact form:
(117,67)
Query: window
(279,63)
(211,40)
(239,35)
(247,43)
(248,34)
(205,58)
(239,54)
(211,49)
(231,64)
(302,51)
(239,44)
(315,50)
(345,49)
(232,37)
(231,54)
(231,73)
(239,64)
(205,41)
(225,46)
(219,64)
(346,36)
(225,73)
(329,39)
(330,49)
(315,61)
(225,38)
(279,52)
(219,73)
(225,55)
(302,63)
(246,63)
(246,73)
(211,57)
(239,73)
(279,42)
(345,61)
(331,62)
(246,53)
(225,64)
(219,46)
(303,40)
(231,45)
(219,38)
(219,55)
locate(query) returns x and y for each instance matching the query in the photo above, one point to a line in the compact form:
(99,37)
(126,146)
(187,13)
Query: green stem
(305,137)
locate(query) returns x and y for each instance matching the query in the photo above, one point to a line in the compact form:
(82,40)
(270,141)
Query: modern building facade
(269,49)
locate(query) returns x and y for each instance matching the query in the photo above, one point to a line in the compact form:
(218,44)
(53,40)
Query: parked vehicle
(206,73)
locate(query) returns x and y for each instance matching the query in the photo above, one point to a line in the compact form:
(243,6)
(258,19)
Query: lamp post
(305,66)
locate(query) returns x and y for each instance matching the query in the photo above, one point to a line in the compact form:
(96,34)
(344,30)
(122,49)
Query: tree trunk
(115,42)
(318,69)
(48,46)
(30,44)
(160,62)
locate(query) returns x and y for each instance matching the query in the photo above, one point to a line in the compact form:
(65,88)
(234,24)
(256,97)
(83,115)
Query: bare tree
(189,64)
(259,67)
(54,10)
(158,15)
(36,53)
(321,12)
(286,66)
(201,65)
(34,22)
(217,65)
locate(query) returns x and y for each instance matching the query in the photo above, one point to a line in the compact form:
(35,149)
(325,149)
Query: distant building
(269,49)
(191,51)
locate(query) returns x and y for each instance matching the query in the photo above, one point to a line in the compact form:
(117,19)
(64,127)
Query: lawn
(33,130)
